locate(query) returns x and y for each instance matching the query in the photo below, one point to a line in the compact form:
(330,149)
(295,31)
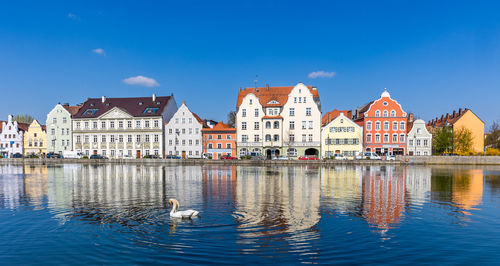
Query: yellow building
(35,139)
(340,135)
(464,118)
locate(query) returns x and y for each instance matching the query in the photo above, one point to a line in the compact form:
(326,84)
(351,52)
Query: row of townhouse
(270,122)
(275,121)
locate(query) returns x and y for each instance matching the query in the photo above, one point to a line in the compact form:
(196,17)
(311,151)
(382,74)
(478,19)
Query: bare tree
(231,119)
(27,119)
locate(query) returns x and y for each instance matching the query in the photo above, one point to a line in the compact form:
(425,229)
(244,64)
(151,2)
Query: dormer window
(90,112)
(151,110)
(158,103)
(91,104)
(140,103)
(273,102)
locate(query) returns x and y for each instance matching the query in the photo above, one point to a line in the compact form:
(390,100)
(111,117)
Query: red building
(219,140)
(384,126)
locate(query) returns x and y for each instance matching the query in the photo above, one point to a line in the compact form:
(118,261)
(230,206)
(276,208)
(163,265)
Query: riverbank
(408,160)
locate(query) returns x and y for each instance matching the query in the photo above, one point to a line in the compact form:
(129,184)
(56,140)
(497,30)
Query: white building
(419,139)
(11,137)
(115,127)
(59,131)
(277,121)
(183,134)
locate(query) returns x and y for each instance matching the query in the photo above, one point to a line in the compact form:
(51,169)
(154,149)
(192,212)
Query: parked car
(281,158)
(339,156)
(308,157)
(17,155)
(173,157)
(228,157)
(390,157)
(372,156)
(72,154)
(98,156)
(450,154)
(128,157)
(150,156)
(54,155)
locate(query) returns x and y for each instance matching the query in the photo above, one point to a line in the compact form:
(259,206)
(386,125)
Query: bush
(493,152)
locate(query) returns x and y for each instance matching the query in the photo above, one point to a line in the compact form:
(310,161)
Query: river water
(112,214)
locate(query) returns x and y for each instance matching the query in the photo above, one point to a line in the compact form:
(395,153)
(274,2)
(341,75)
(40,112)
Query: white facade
(419,139)
(183,134)
(59,131)
(271,123)
(11,138)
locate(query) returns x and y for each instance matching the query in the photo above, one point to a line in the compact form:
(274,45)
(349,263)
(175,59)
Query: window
(228,146)
(52,131)
(377,113)
(112,124)
(243,152)
(295,99)
(256,125)
(310,124)
(112,138)
(244,125)
(184,120)
(129,124)
(243,112)
(268,137)
(219,136)
(394,125)
(386,113)
(426,143)
(244,138)
(402,126)
(183,131)
(86,139)
(210,146)
(256,112)
(129,138)
(377,137)
(256,138)
(190,142)
(156,123)
(393,113)
(251,101)
(276,137)
(268,124)
(410,142)
(103,124)
(386,138)
(54,120)
(138,138)
(228,136)
(402,138)
(394,138)
(219,146)
(120,138)
(151,110)
(377,125)
(86,125)
(209,136)
(120,124)
(276,124)
(308,111)
(103,138)
(291,152)
(369,125)
(386,126)
(292,125)
(190,120)
(147,138)
(65,120)
(304,137)
(78,125)
(304,124)
(138,123)
(146,124)
(291,138)
(90,112)
(310,136)
(292,111)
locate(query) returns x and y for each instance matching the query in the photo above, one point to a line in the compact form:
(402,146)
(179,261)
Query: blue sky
(433,56)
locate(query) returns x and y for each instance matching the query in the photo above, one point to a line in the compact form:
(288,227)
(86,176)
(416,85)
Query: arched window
(369,125)
(394,138)
(291,152)
(386,113)
(268,137)
(377,137)
(393,113)
(386,125)
(276,124)
(386,138)
(268,124)
(243,152)
(256,150)
(368,138)
(377,125)
(395,125)
(377,113)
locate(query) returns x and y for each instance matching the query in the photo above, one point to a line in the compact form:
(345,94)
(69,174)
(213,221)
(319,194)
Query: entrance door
(138,156)
(95,152)
(183,154)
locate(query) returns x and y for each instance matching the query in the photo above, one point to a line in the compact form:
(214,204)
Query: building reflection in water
(383,195)
(35,183)
(11,186)
(341,188)
(418,185)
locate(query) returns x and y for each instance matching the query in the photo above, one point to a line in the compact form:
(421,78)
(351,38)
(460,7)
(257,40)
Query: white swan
(180,214)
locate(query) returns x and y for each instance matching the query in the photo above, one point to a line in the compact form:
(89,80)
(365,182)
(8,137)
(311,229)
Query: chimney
(460,111)
(240,89)
(454,113)
(103,99)
(267,87)
(154,97)
(410,118)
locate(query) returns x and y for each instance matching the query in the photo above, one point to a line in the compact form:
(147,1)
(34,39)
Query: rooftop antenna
(256,80)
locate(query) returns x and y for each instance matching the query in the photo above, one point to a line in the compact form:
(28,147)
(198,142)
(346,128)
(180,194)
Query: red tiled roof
(268,94)
(23,126)
(272,117)
(328,117)
(198,118)
(72,109)
(134,106)
(362,110)
(219,127)
(447,119)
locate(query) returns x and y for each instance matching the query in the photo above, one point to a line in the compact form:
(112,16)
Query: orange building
(384,126)
(219,140)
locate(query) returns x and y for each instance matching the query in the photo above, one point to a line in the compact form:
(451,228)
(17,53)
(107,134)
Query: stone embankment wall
(418,160)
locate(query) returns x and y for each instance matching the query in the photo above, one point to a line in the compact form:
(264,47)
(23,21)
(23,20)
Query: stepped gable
(268,94)
(448,119)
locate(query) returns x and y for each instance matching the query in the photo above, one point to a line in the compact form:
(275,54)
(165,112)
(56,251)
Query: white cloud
(141,81)
(99,51)
(321,74)
(73,16)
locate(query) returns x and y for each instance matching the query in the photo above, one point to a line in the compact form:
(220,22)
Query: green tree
(231,119)
(462,140)
(27,119)
(442,140)
(493,138)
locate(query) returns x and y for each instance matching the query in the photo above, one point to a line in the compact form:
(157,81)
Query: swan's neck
(175,207)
